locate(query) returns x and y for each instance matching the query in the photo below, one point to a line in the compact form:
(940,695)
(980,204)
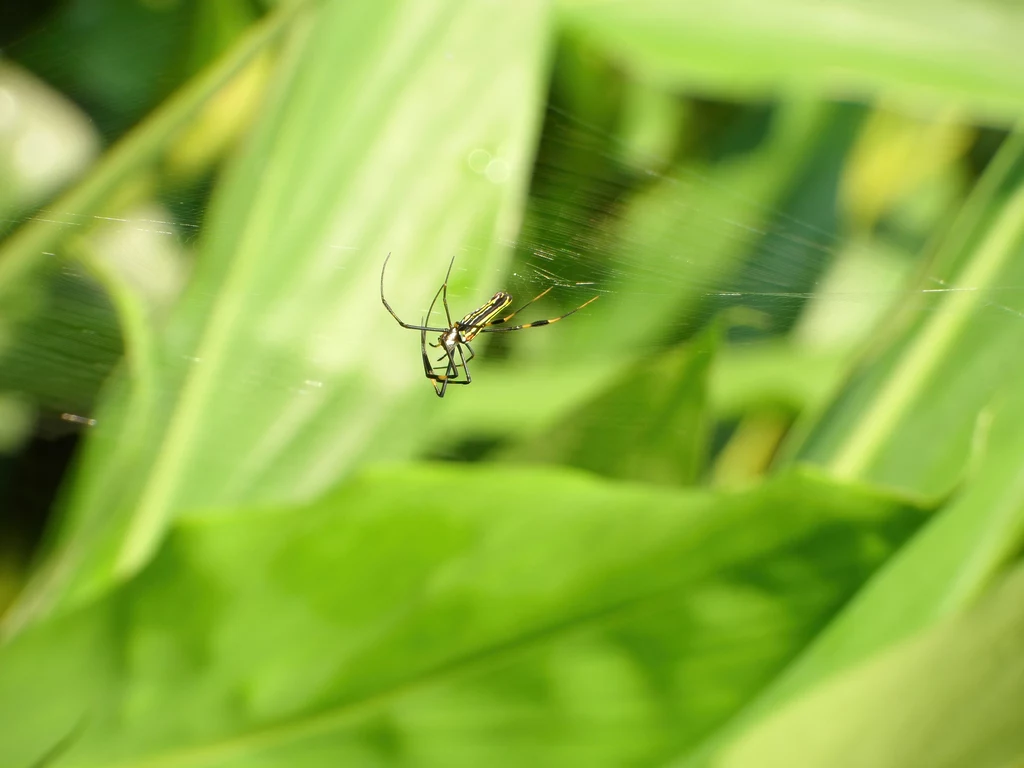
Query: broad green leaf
(417,616)
(938,575)
(777,376)
(563,387)
(949,698)
(280,370)
(951,562)
(650,425)
(911,51)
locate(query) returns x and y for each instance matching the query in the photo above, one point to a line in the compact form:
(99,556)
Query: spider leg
(428,369)
(440,381)
(465,368)
(444,292)
(537,323)
(431,309)
(439,390)
(395,315)
(451,374)
(540,295)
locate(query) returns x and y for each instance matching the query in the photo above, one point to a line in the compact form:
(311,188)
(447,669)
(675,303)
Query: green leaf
(692,232)
(257,396)
(772,375)
(931,373)
(949,698)
(540,616)
(58,336)
(909,51)
(651,423)
(938,575)
(60,351)
(29,248)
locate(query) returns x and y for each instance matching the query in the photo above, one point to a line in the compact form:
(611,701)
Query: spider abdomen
(483,315)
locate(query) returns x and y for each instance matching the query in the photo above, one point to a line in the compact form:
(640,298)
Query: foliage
(730,514)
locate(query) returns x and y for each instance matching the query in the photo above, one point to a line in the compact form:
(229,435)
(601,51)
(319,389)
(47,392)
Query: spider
(458,334)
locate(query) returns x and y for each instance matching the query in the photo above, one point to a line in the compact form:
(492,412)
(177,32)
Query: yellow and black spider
(460,333)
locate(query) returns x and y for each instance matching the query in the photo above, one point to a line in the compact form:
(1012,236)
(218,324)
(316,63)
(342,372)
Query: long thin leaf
(362,149)
(912,51)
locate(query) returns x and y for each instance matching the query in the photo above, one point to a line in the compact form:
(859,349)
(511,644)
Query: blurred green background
(760,505)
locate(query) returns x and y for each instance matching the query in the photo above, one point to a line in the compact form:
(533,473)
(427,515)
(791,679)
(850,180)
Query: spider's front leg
(428,369)
(439,381)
